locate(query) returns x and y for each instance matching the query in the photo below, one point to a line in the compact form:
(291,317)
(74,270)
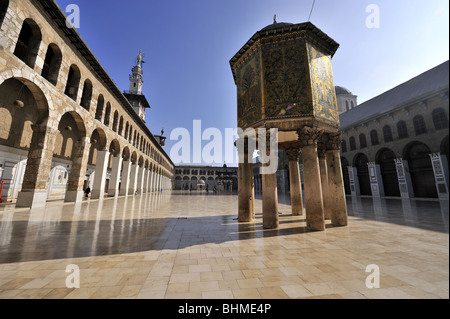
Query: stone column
(376,180)
(353,179)
(145,181)
(113,189)
(77,174)
(245,181)
(315,218)
(293,155)
(125,185)
(98,189)
(336,188)
(152,173)
(140,178)
(269,187)
(39,164)
(321,150)
(133,179)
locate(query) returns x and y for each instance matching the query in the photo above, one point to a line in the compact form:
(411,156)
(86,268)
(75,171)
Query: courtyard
(189,245)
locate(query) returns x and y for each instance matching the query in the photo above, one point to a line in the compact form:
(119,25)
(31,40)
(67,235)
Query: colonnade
(324,193)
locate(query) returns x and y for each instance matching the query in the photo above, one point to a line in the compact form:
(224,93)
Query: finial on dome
(274,19)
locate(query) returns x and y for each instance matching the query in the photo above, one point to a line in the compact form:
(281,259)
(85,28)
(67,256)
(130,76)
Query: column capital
(293,154)
(334,141)
(321,149)
(309,136)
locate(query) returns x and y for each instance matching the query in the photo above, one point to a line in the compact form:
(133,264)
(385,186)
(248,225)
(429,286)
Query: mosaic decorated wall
(249,91)
(322,82)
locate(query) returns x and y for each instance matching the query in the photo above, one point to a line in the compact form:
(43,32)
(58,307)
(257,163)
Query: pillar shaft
(98,188)
(78,171)
(125,184)
(270,201)
(321,149)
(39,163)
(315,218)
(133,179)
(293,155)
(115,176)
(336,188)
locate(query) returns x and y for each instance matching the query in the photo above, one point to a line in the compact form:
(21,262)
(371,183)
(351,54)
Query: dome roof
(342,90)
(277,25)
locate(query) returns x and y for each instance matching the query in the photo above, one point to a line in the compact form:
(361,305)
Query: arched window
(346,106)
(52,63)
(107,118)
(374,137)
(352,104)
(115,121)
(343,148)
(387,134)
(127,126)
(362,141)
(130,134)
(73,81)
(419,125)
(27,45)
(99,111)
(352,143)
(121,125)
(87,95)
(402,130)
(4,4)
(440,119)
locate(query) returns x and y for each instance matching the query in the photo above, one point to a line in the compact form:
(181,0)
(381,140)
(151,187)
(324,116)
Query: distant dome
(342,90)
(277,25)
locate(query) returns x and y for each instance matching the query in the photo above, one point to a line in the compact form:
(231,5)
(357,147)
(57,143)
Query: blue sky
(188,45)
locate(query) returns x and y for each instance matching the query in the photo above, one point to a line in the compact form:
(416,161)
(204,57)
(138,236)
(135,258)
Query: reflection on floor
(189,245)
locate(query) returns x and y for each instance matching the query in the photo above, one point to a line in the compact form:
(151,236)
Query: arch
(27,46)
(130,134)
(126,155)
(347,108)
(134,157)
(420,169)
(352,104)
(17,120)
(99,110)
(127,126)
(146,164)
(444,148)
(385,158)
(115,121)
(419,124)
(362,141)
(344,165)
(52,64)
(73,81)
(141,161)
(4,4)
(107,118)
(343,148)
(402,130)
(360,162)
(352,143)
(121,126)
(71,129)
(440,119)
(114,147)
(87,95)
(98,142)
(387,134)
(374,138)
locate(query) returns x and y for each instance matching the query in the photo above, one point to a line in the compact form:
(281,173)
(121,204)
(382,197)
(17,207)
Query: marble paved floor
(178,245)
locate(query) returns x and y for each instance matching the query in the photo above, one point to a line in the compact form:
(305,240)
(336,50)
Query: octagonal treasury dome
(342,90)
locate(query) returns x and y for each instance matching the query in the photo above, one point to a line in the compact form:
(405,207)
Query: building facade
(64,123)
(192,177)
(396,144)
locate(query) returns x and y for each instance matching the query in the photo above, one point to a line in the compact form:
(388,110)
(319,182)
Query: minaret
(134,95)
(136,76)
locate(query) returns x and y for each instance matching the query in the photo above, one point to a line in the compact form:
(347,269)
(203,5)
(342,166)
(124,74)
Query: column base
(31,199)
(74,196)
(97,194)
(113,193)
